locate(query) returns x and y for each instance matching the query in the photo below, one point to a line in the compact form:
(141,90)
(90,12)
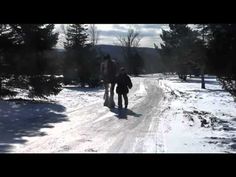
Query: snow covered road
(164,115)
(88,126)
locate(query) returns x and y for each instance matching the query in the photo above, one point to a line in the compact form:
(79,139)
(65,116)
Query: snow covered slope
(195,119)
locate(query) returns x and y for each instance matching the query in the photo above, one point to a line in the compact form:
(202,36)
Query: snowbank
(195,119)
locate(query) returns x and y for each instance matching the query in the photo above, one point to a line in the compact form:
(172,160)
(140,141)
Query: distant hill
(116,51)
(152,62)
(150,56)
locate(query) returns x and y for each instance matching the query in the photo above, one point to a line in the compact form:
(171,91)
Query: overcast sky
(150,33)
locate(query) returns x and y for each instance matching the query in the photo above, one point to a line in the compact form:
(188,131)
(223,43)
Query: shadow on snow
(124,113)
(84,89)
(26,118)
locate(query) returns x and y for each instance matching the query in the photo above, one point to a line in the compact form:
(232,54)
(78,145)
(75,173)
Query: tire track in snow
(95,128)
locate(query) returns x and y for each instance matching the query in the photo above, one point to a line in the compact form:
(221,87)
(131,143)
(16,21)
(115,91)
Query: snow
(75,97)
(195,119)
(164,115)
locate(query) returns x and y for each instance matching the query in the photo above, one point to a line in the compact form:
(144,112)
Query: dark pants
(120,100)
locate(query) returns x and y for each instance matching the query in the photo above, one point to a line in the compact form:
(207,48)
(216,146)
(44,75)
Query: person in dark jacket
(124,83)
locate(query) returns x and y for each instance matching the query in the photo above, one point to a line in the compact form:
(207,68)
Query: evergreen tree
(93,67)
(76,37)
(75,45)
(81,63)
(177,48)
(27,61)
(201,47)
(136,63)
(222,53)
(6,44)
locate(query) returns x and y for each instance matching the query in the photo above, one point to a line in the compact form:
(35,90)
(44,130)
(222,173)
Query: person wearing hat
(124,83)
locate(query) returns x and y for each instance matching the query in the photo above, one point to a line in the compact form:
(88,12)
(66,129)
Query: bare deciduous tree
(93,34)
(130,42)
(131,39)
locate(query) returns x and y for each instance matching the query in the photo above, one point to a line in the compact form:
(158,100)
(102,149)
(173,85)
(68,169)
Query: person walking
(124,83)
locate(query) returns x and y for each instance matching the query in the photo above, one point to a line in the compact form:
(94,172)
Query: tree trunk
(203,67)
(202,78)
(0,87)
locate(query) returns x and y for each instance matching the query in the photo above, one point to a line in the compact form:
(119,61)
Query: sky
(108,33)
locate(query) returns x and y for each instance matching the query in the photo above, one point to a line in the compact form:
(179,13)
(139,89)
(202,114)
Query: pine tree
(82,63)
(166,52)
(28,64)
(136,63)
(75,45)
(222,53)
(33,40)
(201,50)
(177,48)
(76,37)
(6,45)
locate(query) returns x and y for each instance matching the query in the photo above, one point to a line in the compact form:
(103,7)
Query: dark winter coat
(124,83)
